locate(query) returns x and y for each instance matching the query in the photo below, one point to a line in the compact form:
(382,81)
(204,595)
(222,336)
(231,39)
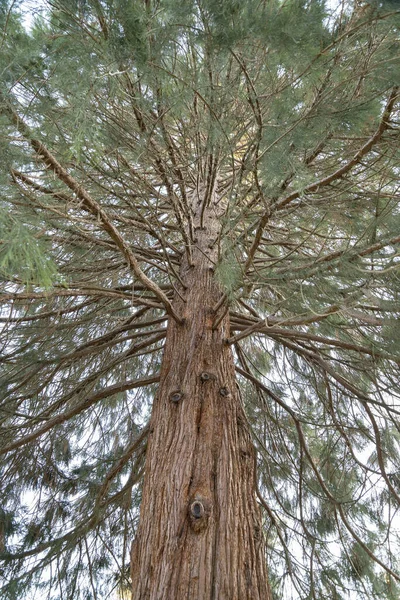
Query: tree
(200,218)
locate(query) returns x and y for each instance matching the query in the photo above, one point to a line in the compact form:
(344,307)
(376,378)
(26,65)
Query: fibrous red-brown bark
(199,534)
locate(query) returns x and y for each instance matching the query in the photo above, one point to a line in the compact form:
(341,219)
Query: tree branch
(94,207)
(314,187)
(82,406)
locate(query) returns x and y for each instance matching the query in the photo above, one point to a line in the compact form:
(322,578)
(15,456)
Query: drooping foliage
(112,113)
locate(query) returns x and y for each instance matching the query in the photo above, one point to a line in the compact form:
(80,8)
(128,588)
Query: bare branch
(82,406)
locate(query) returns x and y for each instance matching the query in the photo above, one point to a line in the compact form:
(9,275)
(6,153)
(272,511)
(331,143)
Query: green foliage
(24,257)
(228,272)
(130,31)
(280,106)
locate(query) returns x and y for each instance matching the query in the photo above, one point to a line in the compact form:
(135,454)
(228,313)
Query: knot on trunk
(199,513)
(205,376)
(176,396)
(197,510)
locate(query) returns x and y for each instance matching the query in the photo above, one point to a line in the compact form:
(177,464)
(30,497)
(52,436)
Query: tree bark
(200,534)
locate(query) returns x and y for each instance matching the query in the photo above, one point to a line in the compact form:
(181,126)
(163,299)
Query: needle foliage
(112,112)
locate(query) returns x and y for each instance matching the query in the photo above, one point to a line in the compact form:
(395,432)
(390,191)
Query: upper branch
(277,205)
(313,187)
(94,208)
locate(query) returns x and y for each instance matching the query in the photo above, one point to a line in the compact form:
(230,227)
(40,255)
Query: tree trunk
(199,534)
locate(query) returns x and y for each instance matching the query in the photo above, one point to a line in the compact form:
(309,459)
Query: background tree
(229,170)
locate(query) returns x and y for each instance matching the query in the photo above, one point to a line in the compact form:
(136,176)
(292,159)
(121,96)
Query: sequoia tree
(199,256)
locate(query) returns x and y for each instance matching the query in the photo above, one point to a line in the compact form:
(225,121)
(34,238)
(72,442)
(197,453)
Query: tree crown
(116,117)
